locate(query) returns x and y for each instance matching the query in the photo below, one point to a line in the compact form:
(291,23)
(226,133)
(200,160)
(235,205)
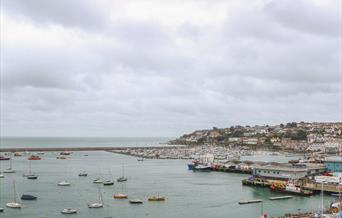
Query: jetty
(251,201)
(280,198)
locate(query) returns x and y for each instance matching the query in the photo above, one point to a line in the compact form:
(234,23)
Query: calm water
(188,194)
(6,142)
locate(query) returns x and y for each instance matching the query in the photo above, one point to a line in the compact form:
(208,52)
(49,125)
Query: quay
(37,149)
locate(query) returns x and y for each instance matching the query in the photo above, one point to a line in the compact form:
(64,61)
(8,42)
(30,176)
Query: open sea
(188,194)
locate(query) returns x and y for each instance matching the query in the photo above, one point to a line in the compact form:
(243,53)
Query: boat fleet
(16,204)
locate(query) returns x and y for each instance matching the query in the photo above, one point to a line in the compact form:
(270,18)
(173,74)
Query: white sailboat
(97,204)
(14,204)
(30,175)
(64,183)
(9,170)
(68,211)
(122,178)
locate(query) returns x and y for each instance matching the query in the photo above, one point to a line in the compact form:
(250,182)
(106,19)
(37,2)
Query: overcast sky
(166,67)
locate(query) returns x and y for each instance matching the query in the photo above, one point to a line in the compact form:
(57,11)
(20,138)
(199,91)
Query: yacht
(28,197)
(135,201)
(69,211)
(108,182)
(14,204)
(64,183)
(97,204)
(98,180)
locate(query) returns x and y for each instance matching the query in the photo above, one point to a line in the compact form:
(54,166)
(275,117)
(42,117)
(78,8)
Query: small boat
(17,154)
(34,157)
(28,197)
(14,204)
(120,196)
(64,183)
(2,175)
(108,182)
(135,201)
(61,157)
(9,170)
(122,179)
(202,168)
(68,211)
(98,180)
(4,158)
(156,198)
(1,209)
(83,174)
(97,204)
(65,153)
(32,177)
(141,159)
(40,153)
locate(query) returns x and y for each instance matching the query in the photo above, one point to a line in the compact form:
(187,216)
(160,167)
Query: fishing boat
(97,180)
(83,174)
(290,188)
(120,196)
(28,197)
(14,204)
(4,158)
(156,198)
(34,157)
(108,182)
(135,201)
(64,183)
(69,211)
(97,204)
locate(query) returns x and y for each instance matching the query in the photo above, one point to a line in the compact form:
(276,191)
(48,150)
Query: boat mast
(14,193)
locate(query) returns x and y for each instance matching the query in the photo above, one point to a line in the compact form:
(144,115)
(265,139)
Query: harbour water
(45,142)
(188,194)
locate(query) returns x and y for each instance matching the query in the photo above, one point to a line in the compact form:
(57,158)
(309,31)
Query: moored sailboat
(14,204)
(69,211)
(97,204)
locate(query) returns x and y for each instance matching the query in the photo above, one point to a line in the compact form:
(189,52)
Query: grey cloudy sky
(164,68)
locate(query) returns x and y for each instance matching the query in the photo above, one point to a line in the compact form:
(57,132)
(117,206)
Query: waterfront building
(333,164)
(286,171)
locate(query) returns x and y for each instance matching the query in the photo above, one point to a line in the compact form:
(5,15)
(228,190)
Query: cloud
(118,68)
